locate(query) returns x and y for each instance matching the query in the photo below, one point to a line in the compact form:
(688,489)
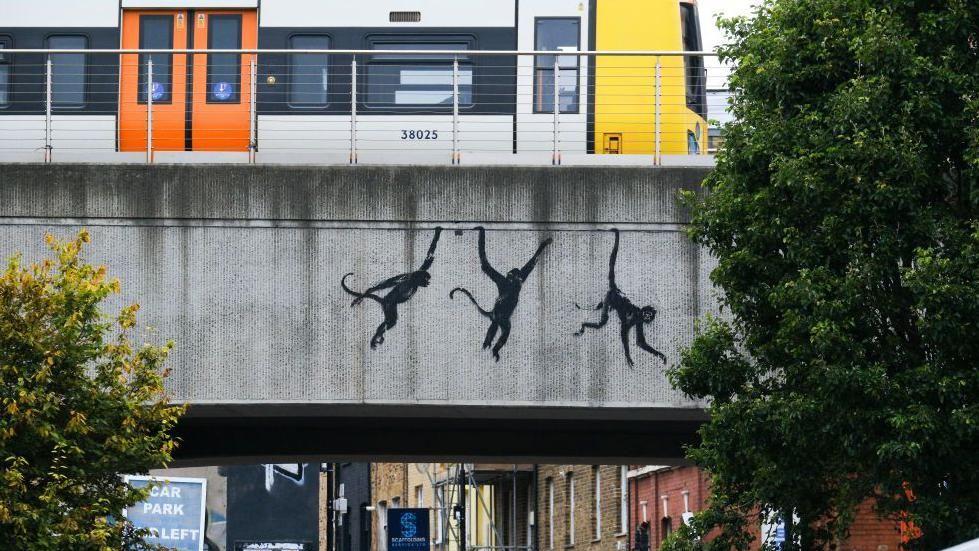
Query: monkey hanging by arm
(402,286)
(508,293)
(630,316)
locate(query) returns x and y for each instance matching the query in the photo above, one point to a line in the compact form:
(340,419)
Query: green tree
(842,214)
(81,404)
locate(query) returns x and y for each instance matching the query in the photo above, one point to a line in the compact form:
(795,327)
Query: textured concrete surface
(241,267)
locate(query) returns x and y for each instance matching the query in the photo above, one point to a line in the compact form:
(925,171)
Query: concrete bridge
(242,267)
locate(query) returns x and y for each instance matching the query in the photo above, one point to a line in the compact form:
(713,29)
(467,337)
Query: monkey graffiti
(630,316)
(403,287)
(508,289)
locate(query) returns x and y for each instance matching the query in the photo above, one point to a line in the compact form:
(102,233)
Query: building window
(569,510)
(156,33)
(309,73)
(67,71)
(596,473)
(406,80)
(696,77)
(4,72)
(666,528)
(382,523)
(396,502)
(419,496)
(693,145)
(557,34)
(224,70)
(550,513)
(623,499)
(441,509)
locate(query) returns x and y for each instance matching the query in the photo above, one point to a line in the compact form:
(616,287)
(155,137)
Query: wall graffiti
(403,287)
(508,294)
(291,471)
(630,316)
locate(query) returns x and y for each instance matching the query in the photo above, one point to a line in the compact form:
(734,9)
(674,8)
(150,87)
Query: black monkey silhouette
(403,287)
(630,315)
(508,288)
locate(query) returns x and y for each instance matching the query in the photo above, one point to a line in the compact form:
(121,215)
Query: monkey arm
(529,266)
(430,257)
(484,262)
(641,342)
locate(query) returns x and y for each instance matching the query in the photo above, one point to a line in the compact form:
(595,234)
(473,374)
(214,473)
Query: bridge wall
(241,266)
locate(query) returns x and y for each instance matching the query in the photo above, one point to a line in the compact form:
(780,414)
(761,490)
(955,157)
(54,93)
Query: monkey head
(515,275)
(421,278)
(648,314)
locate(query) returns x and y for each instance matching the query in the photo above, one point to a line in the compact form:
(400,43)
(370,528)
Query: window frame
(577,67)
(570,506)
(85,80)
(693,65)
(140,80)
(235,98)
(597,501)
(7,60)
(292,65)
(623,499)
(377,42)
(550,513)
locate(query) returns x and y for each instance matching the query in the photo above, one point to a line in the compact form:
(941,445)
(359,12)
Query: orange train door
(216,116)
(221,81)
(156,29)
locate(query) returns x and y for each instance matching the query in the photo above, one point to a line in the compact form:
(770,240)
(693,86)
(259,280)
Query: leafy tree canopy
(842,214)
(81,404)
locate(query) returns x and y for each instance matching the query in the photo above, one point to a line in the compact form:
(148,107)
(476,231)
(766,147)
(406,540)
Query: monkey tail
(360,296)
(472,298)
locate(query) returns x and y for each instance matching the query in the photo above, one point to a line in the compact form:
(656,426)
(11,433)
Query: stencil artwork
(508,294)
(403,287)
(630,316)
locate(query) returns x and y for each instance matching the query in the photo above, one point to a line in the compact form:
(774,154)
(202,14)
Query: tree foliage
(842,213)
(81,404)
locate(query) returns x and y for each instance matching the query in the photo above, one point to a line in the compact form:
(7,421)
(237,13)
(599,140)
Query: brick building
(663,496)
(582,508)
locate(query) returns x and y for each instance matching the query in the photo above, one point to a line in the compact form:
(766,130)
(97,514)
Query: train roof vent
(405,17)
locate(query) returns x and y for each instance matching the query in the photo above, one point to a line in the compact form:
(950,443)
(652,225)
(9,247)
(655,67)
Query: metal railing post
(353,111)
(149,110)
(253,113)
(456,157)
(47,111)
(556,155)
(658,157)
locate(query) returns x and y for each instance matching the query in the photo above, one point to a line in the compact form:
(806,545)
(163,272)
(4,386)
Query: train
(389,103)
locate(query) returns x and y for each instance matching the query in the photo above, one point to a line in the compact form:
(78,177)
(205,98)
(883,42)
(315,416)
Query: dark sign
(408,530)
(273,505)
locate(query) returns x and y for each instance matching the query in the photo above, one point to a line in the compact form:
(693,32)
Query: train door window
(695,75)
(67,71)
(558,34)
(224,70)
(156,33)
(4,72)
(405,80)
(693,145)
(309,73)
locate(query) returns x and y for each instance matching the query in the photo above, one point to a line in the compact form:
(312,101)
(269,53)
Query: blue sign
(173,512)
(408,530)
(157,91)
(222,90)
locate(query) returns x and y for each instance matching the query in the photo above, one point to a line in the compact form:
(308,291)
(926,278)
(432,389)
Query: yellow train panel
(625,86)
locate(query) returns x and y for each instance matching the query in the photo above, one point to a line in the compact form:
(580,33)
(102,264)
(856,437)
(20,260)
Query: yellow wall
(625,86)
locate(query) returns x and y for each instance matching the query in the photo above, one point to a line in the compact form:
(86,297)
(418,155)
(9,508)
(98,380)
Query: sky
(708,9)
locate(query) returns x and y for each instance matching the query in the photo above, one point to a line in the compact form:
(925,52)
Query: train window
(399,80)
(156,33)
(67,71)
(223,70)
(4,72)
(309,72)
(558,34)
(695,75)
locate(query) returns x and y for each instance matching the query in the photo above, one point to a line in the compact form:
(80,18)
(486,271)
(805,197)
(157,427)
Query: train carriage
(298,106)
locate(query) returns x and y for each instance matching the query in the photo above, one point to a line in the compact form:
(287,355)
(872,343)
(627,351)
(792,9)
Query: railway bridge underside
(506,313)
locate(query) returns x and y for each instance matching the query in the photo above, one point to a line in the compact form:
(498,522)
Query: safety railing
(362,106)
